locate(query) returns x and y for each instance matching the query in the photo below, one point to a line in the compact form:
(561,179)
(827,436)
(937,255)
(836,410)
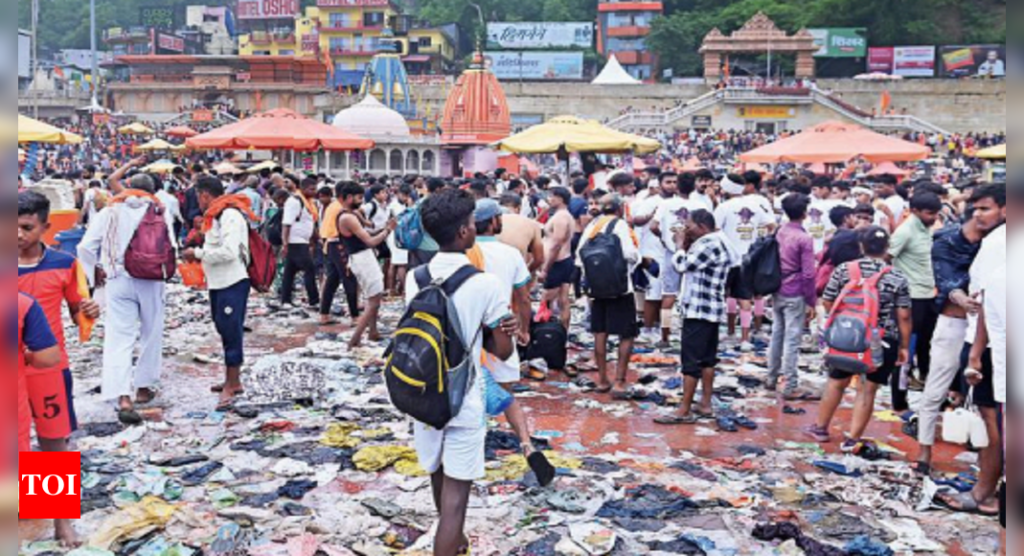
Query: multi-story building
(623,28)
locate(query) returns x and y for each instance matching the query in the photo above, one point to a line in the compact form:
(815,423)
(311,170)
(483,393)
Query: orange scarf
(311,208)
(238,202)
(135,194)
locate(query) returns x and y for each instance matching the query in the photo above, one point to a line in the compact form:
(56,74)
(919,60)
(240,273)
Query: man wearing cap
(614,317)
(507,263)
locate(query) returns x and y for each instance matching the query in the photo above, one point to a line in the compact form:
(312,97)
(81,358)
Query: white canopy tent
(614,74)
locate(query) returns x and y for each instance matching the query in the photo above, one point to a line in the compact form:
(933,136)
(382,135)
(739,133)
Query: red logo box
(50,485)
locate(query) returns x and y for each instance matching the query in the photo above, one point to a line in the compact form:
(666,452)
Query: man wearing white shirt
(818,224)
(298,229)
(744,218)
(889,201)
(673,215)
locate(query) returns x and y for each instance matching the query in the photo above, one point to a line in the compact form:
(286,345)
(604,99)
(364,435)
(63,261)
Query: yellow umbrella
(575,135)
(993,153)
(159,145)
(226,168)
(160,167)
(265,165)
(34,131)
(135,128)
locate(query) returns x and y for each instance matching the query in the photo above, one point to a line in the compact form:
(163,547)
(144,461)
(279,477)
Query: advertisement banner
(540,35)
(268,9)
(914,61)
(974,61)
(880,59)
(158,17)
(170,43)
(765,112)
(536,65)
(24,56)
(840,42)
(353,3)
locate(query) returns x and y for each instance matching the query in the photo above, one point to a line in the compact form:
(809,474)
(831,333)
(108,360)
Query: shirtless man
(557,273)
(521,232)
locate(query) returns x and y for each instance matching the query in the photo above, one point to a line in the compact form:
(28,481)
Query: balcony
(348,26)
(355,51)
(629,31)
(630,7)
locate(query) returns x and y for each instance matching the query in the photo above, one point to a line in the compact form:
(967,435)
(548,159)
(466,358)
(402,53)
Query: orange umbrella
(280,129)
(181,131)
(836,142)
(888,168)
(818,169)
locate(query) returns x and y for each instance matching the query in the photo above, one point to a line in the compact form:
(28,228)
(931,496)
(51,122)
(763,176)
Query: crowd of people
(642,257)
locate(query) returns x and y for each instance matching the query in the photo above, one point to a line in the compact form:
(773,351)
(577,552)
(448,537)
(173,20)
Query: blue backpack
(409,232)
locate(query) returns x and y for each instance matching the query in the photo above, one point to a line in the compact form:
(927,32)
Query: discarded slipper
(586,384)
(622,395)
(745,423)
(542,468)
(790,410)
(571,371)
(603,389)
(675,420)
(247,412)
(129,417)
(726,424)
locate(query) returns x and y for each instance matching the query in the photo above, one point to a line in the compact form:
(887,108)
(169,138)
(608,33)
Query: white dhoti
(134,315)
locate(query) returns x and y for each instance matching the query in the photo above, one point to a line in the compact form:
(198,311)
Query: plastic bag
(965,425)
(192,275)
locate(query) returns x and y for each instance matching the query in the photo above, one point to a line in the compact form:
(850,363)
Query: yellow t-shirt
(329,227)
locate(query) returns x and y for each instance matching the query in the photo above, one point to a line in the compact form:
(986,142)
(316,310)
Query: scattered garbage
(314,460)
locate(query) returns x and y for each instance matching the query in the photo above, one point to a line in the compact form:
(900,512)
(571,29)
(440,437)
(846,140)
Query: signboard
(170,43)
(974,61)
(701,122)
(914,61)
(267,9)
(540,35)
(767,112)
(880,59)
(353,3)
(157,17)
(536,65)
(24,56)
(311,42)
(202,115)
(841,42)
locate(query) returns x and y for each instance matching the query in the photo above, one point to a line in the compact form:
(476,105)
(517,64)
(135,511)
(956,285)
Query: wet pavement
(314,475)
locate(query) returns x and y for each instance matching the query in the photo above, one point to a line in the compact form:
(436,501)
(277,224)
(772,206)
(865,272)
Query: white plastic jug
(965,425)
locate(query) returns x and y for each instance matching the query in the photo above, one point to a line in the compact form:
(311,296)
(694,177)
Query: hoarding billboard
(974,61)
(841,42)
(880,59)
(170,43)
(914,61)
(540,35)
(267,9)
(24,56)
(158,17)
(552,66)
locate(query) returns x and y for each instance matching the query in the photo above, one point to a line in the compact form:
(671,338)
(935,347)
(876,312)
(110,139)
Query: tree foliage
(677,37)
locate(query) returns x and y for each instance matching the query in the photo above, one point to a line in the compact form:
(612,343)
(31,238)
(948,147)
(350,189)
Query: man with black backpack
(451,449)
(893,316)
(225,256)
(609,253)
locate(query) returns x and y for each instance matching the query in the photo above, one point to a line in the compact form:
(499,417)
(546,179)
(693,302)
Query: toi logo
(50,485)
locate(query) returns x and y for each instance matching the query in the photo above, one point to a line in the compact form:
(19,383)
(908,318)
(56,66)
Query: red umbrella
(889,168)
(181,131)
(836,142)
(280,129)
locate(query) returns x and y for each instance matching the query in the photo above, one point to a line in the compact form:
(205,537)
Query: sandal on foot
(218,388)
(603,389)
(961,502)
(144,396)
(921,469)
(129,417)
(674,420)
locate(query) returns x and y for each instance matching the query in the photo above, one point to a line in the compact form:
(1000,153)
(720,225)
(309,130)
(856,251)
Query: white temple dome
(373,120)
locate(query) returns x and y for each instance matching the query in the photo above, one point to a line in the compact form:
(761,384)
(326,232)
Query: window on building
(374,19)
(396,161)
(412,162)
(428,162)
(342,21)
(378,160)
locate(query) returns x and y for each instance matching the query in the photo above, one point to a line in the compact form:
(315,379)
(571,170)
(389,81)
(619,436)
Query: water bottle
(905,377)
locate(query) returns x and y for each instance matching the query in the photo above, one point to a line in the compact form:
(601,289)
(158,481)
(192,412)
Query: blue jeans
(787,331)
(229,307)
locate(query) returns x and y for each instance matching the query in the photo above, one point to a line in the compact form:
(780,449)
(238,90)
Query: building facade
(623,27)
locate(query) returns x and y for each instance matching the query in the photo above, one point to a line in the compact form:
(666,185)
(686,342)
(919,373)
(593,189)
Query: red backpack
(151,254)
(853,333)
(262,262)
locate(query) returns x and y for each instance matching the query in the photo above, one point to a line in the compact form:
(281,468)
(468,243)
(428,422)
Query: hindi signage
(841,42)
(170,43)
(540,35)
(551,66)
(914,61)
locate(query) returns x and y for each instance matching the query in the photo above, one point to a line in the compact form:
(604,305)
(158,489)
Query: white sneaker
(746,347)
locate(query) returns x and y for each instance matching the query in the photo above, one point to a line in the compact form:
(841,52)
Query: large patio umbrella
(280,129)
(135,128)
(837,142)
(993,153)
(34,131)
(570,134)
(181,131)
(159,145)
(890,169)
(160,167)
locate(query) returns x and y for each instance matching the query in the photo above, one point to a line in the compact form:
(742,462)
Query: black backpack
(548,341)
(604,266)
(429,366)
(273,229)
(762,267)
